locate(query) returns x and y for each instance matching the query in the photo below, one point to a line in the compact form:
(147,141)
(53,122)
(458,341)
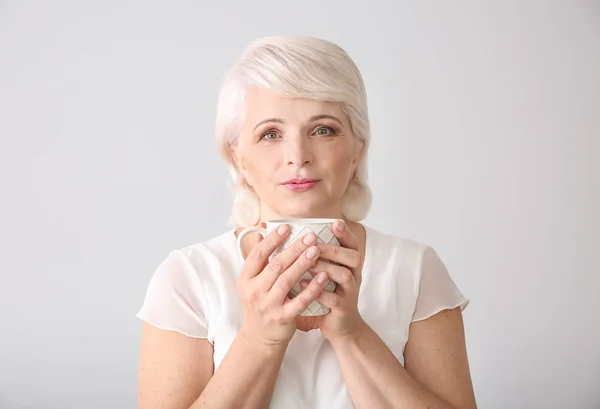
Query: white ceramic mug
(299,228)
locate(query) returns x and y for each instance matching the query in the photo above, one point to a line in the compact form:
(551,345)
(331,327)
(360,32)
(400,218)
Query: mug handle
(244,233)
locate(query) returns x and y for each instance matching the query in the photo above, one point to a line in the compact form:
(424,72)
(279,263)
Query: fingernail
(283,229)
(322,277)
(309,239)
(312,252)
(340,225)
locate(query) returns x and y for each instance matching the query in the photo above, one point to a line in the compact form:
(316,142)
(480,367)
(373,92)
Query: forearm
(376,379)
(245,379)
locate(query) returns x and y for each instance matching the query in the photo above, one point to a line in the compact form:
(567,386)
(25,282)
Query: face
(297,154)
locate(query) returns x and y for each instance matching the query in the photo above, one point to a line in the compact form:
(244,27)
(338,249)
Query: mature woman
(221,332)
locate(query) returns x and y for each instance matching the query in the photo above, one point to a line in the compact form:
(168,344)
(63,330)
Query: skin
(273,153)
(177,371)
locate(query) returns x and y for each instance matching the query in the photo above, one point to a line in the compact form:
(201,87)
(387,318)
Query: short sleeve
(174,298)
(436,289)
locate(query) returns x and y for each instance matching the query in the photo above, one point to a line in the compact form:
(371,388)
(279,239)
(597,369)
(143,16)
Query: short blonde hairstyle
(294,67)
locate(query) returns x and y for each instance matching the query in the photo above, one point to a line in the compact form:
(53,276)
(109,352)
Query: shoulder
(404,256)
(385,246)
(191,261)
(182,292)
(215,248)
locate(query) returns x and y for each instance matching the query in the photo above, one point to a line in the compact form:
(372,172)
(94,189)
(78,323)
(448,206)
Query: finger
(332,300)
(313,291)
(341,275)
(328,285)
(338,254)
(258,257)
(344,234)
(284,283)
(284,259)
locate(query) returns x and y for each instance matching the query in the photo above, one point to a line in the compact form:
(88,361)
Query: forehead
(262,104)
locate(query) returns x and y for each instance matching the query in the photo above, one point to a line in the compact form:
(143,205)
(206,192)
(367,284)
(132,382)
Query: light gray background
(486,125)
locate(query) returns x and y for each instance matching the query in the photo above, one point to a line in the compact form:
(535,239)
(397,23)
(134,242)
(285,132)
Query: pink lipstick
(300,184)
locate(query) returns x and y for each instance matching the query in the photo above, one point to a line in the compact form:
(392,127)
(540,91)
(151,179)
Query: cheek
(260,167)
(340,161)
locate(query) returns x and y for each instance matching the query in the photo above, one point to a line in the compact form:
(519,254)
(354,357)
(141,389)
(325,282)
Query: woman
(220,332)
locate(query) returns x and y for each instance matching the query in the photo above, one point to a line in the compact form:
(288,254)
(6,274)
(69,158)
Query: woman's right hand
(269,314)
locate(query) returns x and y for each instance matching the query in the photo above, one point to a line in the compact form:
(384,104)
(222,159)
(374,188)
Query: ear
(234,155)
(240,164)
(358,152)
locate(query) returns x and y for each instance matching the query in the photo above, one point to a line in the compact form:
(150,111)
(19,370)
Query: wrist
(352,336)
(262,346)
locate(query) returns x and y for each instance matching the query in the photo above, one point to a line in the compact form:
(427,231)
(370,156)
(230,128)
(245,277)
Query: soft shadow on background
(486,133)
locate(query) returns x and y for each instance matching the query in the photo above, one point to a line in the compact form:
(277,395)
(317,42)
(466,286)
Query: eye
(269,135)
(325,130)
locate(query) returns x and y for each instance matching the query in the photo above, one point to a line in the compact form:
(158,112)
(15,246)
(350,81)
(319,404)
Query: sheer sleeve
(436,289)
(174,298)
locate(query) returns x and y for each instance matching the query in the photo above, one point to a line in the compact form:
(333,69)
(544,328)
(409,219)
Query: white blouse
(193,291)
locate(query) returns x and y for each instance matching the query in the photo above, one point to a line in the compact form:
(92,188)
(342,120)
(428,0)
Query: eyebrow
(311,119)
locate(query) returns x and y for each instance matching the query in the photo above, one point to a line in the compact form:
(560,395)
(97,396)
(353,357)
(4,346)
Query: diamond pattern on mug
(296,289)
(315,308)
(295,234)
(325,235)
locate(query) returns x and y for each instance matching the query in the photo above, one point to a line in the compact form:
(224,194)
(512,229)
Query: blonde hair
(294,67)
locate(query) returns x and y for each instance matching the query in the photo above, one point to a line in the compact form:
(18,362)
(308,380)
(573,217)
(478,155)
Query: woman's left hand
(344,318)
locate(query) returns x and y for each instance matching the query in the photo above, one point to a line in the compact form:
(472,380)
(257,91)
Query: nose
(298,152)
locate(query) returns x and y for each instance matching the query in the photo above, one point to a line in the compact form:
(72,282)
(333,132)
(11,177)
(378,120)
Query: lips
(299,181)
(300,184)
